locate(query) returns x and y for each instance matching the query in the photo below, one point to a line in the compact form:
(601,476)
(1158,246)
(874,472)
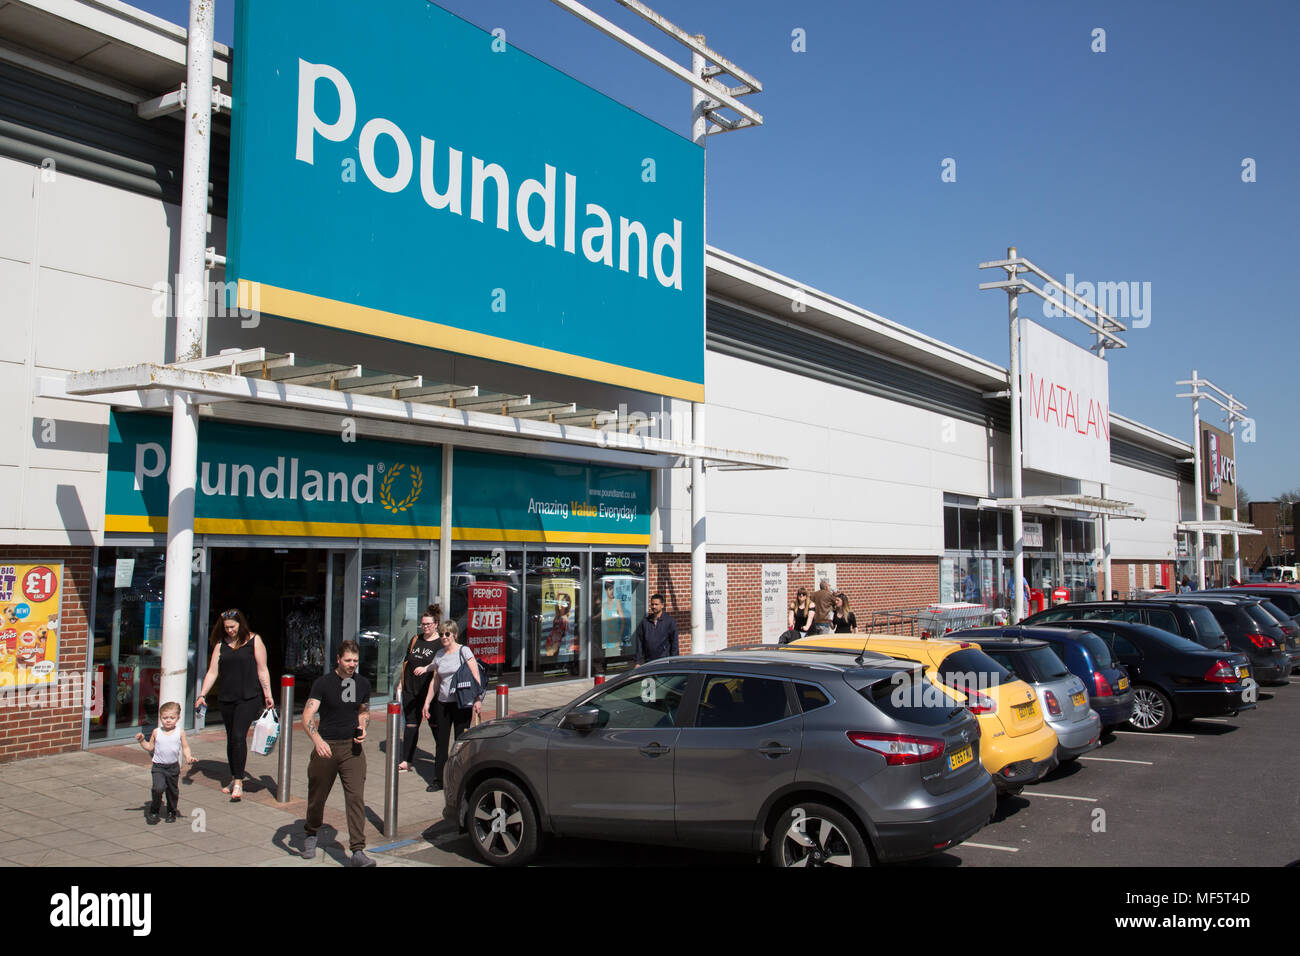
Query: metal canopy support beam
(1080,504)
(1222,526)
(209,386)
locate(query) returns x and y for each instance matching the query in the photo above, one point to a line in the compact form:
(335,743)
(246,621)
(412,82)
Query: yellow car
(1016,745)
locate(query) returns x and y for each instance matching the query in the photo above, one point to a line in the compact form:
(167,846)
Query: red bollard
(503,700)
(599,679)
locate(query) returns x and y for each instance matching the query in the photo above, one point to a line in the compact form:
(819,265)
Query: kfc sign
(1218,467)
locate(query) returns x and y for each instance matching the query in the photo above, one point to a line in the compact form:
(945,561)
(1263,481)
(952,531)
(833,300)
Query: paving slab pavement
(87,808)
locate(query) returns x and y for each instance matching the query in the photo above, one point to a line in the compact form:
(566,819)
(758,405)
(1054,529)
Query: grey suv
(818,757)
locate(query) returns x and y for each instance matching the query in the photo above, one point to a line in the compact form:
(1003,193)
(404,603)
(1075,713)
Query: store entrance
(282,593)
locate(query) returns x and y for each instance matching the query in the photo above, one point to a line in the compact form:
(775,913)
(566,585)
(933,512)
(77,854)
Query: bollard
(285,768)
(503,700)
(390,768)
(599,679)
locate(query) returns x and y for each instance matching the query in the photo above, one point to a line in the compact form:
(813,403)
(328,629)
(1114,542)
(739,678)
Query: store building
(539,508)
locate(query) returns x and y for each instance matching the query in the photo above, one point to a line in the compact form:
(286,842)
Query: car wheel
(1152,711)
(502,823)
(810,834)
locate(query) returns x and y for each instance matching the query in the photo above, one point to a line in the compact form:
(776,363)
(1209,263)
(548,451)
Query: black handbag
(468,689)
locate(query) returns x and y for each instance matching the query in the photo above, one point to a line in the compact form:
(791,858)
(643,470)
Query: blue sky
(1115,166)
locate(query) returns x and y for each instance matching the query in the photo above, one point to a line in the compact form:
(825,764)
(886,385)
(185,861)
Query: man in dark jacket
(656,636)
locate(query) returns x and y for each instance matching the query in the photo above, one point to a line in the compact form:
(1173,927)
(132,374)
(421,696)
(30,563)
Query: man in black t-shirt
(335,718)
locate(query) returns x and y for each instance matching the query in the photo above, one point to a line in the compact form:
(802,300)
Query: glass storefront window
(128,642)
(394,593)
(618,603)
(556,615)
(487,605)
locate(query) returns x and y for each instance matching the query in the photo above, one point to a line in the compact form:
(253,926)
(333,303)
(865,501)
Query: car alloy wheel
(1151,710)
(815,835)
(502,823)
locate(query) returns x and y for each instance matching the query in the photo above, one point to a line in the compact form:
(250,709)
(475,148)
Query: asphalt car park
(1207,793)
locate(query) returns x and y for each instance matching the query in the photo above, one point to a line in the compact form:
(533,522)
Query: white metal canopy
(1082,504)
(1220,526)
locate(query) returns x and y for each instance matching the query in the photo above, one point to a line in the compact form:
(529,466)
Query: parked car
(1086,655)
(1283,604)
(1252,631)
(1063,696)
(1191,621)
(1019,746)
(819,759)
(1174,678)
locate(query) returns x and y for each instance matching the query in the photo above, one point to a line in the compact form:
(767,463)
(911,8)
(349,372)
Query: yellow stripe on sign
(552,537)
(308,529)
(404,328)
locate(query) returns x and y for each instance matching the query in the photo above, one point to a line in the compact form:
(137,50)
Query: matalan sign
(1218,467)
(1065,406)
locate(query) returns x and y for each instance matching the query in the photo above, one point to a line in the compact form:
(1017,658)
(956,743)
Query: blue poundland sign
(401,173)
(271,481)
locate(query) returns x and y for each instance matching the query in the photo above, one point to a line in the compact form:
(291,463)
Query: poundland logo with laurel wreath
(275,481)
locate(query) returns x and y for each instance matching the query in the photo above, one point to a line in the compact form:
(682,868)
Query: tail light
(899,750)
(1222,673)
(1261,640)
(977,703)
(1053,705)
(1101,686)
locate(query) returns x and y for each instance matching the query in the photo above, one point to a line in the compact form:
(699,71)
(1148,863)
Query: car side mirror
(583,719)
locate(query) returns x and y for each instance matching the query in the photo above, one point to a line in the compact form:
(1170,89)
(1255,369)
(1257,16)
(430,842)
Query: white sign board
(123,572)
(775,590)
(715,609)
(1033,534)
(1064,406)
(1132,578)
(826,571)
(947,579)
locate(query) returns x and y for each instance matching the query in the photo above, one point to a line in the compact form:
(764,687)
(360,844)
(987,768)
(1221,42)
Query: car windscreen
(1287,603)
(1275,611)
(972,668)
(910,697)
(1046,665)
(1261,617)
(1209,633)
(1153,635)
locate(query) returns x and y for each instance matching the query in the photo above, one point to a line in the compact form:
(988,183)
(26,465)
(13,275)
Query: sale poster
(29,623)
(486,622)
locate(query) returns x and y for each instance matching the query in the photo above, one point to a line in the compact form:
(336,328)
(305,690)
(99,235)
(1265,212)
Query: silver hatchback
(1063,696)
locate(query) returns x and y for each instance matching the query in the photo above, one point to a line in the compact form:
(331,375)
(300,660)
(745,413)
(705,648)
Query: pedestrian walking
(843,620)
(413,685)
(441,700)
(335,718)
(169,747)
(656,635)
(239,659)
(823,601)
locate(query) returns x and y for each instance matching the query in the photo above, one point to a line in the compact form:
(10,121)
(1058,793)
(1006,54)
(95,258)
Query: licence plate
(1026,711)
(1123,683)
(959,758)
(1079,699)
(1243,671)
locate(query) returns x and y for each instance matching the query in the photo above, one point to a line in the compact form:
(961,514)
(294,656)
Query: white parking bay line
(1145,763)
(1214,720)
(992,846)
(1134,733)
(1060,796)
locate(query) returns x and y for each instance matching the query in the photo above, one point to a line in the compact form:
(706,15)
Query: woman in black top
(239,657)
(843,620)
(413,685)
(801,613)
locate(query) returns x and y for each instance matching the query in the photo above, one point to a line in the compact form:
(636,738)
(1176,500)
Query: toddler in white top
(168,744)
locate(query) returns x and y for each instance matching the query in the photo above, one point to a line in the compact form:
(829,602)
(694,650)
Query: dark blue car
(1088,658)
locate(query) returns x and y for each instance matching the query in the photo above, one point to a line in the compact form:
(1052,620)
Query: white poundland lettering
(597,238)
(75,909)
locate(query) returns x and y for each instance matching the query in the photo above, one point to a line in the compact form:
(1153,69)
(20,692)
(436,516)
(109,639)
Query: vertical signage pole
(1199,485)
(1232,430)
(699,536)
(1017,477)
(191,299)
(1101,490)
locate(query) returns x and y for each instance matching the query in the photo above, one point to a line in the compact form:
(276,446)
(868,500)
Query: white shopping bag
(266,732)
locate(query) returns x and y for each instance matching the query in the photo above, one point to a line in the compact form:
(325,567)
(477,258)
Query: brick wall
(1119,569)
(49,721)
(871,583)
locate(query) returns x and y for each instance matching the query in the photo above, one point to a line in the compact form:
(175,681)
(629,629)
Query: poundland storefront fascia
(319,536)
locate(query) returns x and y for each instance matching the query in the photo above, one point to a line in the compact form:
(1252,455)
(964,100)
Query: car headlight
(457,747)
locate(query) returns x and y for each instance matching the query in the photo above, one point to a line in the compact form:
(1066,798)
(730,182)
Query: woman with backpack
(413,685)
(455,666)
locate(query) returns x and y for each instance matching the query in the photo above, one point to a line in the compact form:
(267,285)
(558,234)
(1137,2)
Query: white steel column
(191,299)
(1232,432)
(1017,475)
(1196,483)
(699,534)
(444,537)
(1105,519)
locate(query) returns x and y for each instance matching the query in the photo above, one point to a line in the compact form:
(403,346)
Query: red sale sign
(486,624)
